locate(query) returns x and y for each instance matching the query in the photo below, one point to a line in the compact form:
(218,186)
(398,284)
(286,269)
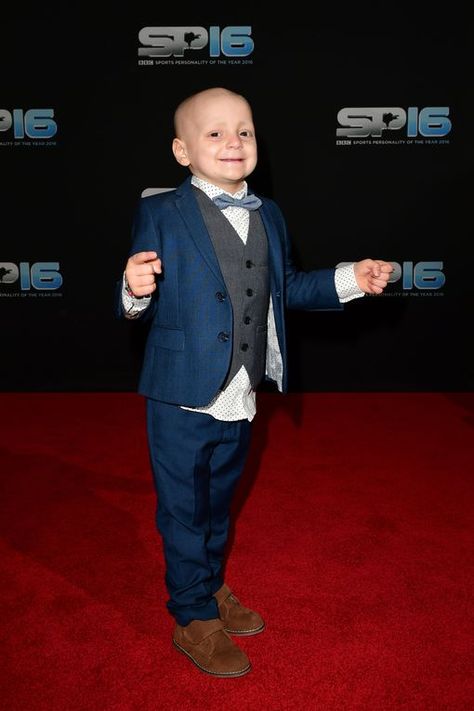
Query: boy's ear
(179,152)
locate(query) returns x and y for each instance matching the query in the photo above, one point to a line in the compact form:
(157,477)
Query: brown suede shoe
(237,619)
(210,648)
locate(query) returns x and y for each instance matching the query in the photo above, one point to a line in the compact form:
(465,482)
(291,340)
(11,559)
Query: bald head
(215,137)
(189,110)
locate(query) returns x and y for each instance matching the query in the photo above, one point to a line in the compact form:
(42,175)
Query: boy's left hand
(372,275)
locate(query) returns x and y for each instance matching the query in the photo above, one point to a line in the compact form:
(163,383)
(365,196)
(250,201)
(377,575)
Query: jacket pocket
(170,338)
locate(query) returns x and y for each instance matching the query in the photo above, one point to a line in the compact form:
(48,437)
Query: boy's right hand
(140,272)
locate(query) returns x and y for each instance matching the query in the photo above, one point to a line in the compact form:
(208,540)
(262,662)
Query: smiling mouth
(231,160)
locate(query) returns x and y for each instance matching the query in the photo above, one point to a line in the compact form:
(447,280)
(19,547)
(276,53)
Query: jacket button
(244,347)
(223,336)
(249,263)
(247,320)
(220,296)
(249,292)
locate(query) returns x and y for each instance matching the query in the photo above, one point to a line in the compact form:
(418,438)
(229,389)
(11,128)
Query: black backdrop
(68,199)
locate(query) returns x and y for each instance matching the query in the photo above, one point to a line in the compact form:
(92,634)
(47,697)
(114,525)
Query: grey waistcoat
(246,276)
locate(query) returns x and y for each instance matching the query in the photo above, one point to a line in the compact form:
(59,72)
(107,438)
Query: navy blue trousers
(196,461)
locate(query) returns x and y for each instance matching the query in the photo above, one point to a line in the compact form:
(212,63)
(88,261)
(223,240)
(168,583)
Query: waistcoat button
(223,336)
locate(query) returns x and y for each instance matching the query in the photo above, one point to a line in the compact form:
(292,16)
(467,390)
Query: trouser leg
(226,465)
(188,452)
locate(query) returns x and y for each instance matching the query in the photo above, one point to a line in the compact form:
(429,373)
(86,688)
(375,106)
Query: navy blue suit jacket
(185,362)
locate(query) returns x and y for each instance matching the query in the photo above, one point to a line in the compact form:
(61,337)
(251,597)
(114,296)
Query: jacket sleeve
(145,238)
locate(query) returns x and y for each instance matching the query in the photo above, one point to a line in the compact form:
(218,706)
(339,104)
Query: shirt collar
(213,190)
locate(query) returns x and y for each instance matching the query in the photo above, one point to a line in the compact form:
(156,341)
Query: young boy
(210,266)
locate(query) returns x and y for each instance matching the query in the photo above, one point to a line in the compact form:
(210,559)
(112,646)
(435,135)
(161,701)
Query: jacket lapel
(188,208)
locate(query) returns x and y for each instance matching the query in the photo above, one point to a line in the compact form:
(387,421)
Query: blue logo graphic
(233,41)
(34,123)
(422,275)
(42,276)
(429,122)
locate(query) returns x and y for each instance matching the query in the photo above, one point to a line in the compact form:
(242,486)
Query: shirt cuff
(132,305)
(346,284)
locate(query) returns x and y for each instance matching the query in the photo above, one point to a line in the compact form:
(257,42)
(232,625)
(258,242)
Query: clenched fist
(140,272)
(372,275)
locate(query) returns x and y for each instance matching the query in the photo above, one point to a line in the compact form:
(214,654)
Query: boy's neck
(231,189)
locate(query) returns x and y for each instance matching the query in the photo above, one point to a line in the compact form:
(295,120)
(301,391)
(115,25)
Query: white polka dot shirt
(238,400)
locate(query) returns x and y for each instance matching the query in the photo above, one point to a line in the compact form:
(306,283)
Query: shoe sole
(245,633)
(208,671)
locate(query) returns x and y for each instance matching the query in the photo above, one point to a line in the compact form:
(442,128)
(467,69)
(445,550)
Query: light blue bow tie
(249,202)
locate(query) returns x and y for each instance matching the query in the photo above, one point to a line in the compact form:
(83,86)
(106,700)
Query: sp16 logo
(422,275)
(431,121)
(234,41)
(43,276)
(34,123)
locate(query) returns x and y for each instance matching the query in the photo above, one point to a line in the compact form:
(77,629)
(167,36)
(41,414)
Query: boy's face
(217,139)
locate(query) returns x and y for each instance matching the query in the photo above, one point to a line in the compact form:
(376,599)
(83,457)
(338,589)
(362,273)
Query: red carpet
(354,539)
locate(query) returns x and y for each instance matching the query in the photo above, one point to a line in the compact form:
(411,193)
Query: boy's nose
(234,141)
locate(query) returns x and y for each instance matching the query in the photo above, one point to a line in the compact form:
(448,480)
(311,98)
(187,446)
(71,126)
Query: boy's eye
(214,134)
(245,134)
